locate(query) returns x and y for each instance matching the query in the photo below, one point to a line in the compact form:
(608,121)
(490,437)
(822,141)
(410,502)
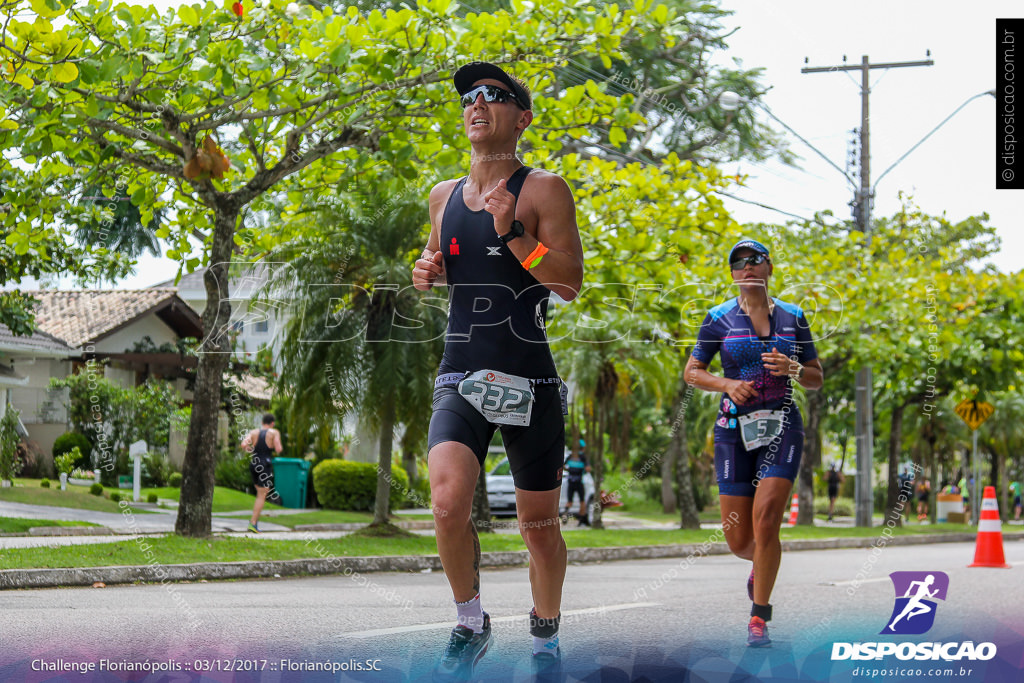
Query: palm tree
(124,232)
(359,340)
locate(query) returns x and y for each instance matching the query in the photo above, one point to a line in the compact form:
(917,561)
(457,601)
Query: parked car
(501,492)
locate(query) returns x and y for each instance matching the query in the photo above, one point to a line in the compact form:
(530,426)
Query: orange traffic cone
(794,509)
(989,551)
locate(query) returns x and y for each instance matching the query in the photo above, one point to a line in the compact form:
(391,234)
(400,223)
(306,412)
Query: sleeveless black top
(497,309)
(262,449)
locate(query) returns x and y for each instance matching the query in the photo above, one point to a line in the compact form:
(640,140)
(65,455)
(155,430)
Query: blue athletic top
(727,330)
(576,469)
(496,309)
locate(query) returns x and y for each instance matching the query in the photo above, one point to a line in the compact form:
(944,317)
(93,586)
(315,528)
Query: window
(262,326)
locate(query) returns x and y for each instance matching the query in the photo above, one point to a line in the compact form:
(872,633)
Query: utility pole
(864,429)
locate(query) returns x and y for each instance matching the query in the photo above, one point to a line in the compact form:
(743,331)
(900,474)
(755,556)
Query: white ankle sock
(471,614)
(545,644)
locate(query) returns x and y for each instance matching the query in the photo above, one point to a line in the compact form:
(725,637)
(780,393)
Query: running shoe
(252,528)
(757,633)
(465,648)
(750,585)
(548,665)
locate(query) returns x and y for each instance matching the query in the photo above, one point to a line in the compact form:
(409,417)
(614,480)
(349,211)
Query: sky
(952,173)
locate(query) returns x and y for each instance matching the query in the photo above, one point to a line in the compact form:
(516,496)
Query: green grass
(330,517)
(176,550)
(224,499)
(29,491)
(21,525)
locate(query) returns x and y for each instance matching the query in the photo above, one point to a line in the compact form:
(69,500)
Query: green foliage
(232,471)
(174,480)
(10,465)
(156,470)
(152,498)
(69,440)
(115,496)
(845,507)
(111,417)
(66,461)
(344,485)
(96,489)
(44,482)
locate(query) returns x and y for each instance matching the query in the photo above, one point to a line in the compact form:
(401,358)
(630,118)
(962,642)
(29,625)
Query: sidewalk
(157,519)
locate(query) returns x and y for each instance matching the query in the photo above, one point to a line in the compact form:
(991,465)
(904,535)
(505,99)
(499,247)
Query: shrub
(845,507)
(156,470)
(344,485)
(45,483)
(69,440)
(96,489)
(233,472)
(152,498)
(116,497)
(10,463)
(65,462)
(174,480)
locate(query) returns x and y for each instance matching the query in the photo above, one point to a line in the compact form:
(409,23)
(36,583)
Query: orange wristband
(535,256)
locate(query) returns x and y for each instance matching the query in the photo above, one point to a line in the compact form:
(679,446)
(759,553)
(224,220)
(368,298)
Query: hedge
(345,485)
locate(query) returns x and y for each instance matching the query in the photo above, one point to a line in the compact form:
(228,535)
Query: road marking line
(500,620)
(854,581)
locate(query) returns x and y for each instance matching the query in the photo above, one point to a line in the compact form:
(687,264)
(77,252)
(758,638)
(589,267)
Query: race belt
(501,398)
(761,427)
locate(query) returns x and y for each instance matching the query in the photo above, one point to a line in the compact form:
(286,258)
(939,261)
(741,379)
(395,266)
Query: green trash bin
(290,477)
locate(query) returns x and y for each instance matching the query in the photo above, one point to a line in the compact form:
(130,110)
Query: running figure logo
(914,611)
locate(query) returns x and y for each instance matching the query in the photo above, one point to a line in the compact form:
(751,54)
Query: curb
(326,566)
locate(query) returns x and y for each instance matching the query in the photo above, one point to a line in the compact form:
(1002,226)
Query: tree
(359,340)
(122,229)
(207,112)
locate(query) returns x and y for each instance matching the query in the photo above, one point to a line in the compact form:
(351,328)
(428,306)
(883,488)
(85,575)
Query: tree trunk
(1002,485)
(811,458)
(679,456)
(481,513)
(409,464)
(668,469)
(382,502)
(892,509)
(688,518)
(196,501)
(596,460)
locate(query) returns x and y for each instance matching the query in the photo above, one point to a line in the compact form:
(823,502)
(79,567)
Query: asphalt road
(637,620)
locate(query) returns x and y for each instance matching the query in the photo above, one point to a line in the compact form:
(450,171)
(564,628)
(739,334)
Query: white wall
(125,338)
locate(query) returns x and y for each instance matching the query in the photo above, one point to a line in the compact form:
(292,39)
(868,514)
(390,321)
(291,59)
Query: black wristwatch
(518,230)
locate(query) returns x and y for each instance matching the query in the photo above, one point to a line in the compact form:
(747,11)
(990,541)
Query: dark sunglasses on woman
(754,260)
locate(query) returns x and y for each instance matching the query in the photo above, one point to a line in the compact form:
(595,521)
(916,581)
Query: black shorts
(262,472)
(833,491)
(535,452)
(573,488)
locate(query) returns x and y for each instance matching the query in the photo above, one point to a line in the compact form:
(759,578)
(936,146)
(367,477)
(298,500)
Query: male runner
(502,238)
(261,445)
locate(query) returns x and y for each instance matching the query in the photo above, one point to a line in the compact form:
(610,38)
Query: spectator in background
(924,492)
(906,485)
(835,478)
(575,467)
